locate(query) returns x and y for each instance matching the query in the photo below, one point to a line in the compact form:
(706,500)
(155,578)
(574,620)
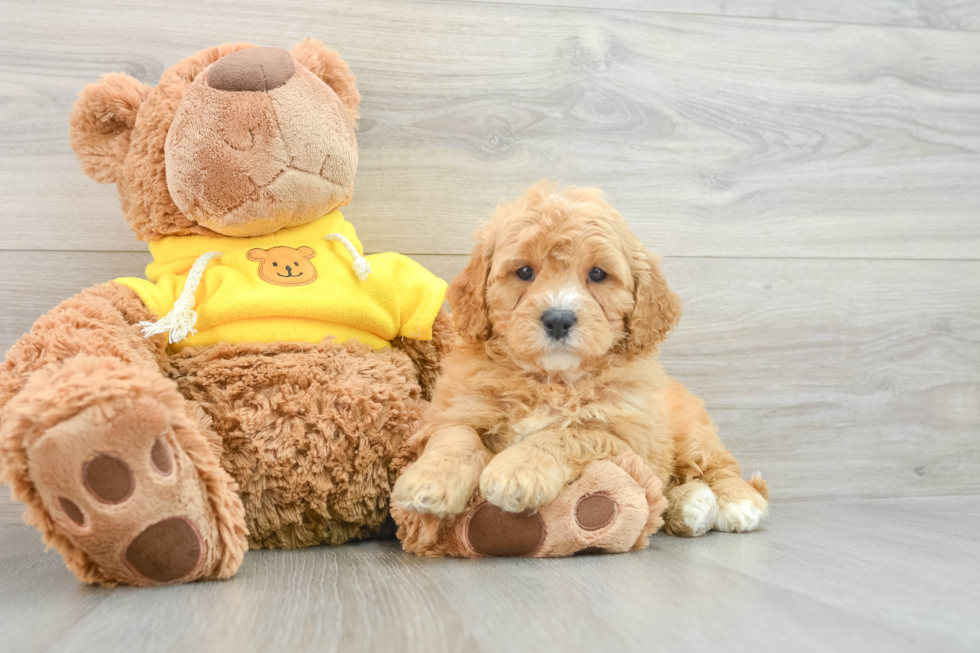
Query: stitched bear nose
(289,269)
(254,69)
(558,323)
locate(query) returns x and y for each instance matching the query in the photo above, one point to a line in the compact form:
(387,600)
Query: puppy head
(557,281)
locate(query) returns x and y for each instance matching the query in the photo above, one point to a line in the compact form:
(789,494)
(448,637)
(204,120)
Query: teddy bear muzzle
(259,143)
(254,69)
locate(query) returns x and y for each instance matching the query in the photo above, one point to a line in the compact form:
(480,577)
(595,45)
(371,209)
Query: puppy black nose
(558,323)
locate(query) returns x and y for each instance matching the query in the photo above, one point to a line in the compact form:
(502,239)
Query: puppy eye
(597,275)
(295,263)
(525,273)
(275,265)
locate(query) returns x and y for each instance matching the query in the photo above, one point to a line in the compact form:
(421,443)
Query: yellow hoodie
(301,284)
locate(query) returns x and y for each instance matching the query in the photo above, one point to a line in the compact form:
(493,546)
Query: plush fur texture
(518,414)
(146,465)
(311,466)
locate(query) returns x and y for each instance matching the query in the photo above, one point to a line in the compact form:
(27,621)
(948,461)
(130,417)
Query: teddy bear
(261,387)
(254,388)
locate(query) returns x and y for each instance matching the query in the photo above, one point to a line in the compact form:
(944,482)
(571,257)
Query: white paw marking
(739,517)
(700,510)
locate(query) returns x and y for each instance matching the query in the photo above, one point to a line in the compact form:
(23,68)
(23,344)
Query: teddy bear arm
(428,355)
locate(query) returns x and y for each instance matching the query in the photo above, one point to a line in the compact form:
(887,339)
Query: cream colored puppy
(560,313)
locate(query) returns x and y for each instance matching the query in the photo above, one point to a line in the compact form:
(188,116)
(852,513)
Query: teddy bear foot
(116,484)
(613,507)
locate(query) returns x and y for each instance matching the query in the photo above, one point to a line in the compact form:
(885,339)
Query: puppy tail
(760,486)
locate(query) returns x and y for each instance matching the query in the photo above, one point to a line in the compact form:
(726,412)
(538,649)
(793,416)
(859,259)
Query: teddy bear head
(235,140)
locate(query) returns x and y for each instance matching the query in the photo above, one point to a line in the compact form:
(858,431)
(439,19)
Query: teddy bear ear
(328,66)
(101,122)
(256,254)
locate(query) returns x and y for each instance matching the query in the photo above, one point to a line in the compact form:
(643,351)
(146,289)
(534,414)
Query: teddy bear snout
(253,69)
(250,162)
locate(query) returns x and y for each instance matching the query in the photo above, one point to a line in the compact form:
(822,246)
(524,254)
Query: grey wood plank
(10,510)
(715,136)
(842,576)
(835,378)
(929,14)
(47,278)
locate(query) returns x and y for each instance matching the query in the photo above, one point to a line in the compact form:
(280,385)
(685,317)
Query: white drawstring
(180,321)
(361,266)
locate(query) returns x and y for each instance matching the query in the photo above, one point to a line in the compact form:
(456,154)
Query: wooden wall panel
(715,136)
(928,14)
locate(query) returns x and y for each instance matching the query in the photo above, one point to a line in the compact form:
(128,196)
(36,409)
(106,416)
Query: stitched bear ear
(102,121)
(328,66)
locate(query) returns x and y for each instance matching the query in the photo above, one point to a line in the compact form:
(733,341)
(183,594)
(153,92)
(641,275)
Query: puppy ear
(656,309)
(101,122)
(256,254)
(328,66)
(306,252)
(467,296)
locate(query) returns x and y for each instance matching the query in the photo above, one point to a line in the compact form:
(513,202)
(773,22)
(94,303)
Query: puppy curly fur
(520,414)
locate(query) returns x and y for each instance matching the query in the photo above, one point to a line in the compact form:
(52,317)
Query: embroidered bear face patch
(284,266)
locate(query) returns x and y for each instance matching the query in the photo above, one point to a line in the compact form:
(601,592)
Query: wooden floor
(867,575)
(809,169)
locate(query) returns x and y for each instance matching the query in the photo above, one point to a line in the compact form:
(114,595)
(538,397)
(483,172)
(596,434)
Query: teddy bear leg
(614,506)
(118,476)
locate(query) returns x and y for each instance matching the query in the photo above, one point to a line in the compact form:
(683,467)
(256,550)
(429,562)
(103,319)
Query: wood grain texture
(833,377)
(928,14)
(715,136)
(841,576)
(809,167)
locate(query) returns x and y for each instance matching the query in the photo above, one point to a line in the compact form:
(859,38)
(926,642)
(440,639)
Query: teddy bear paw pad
(166,551)
(117,484)
(595,511)
(494,532)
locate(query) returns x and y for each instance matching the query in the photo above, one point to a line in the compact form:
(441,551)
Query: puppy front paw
(516,481)
(435,489)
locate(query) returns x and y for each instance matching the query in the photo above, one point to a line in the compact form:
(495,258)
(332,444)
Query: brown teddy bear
(261,386)
(253,390)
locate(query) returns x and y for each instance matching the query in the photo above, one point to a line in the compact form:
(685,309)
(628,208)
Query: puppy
(560,312)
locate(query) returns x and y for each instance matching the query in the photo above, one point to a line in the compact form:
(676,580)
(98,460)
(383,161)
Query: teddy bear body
(157,428)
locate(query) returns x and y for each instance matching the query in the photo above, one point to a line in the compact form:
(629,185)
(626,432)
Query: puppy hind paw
(700,511)
(740,517)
